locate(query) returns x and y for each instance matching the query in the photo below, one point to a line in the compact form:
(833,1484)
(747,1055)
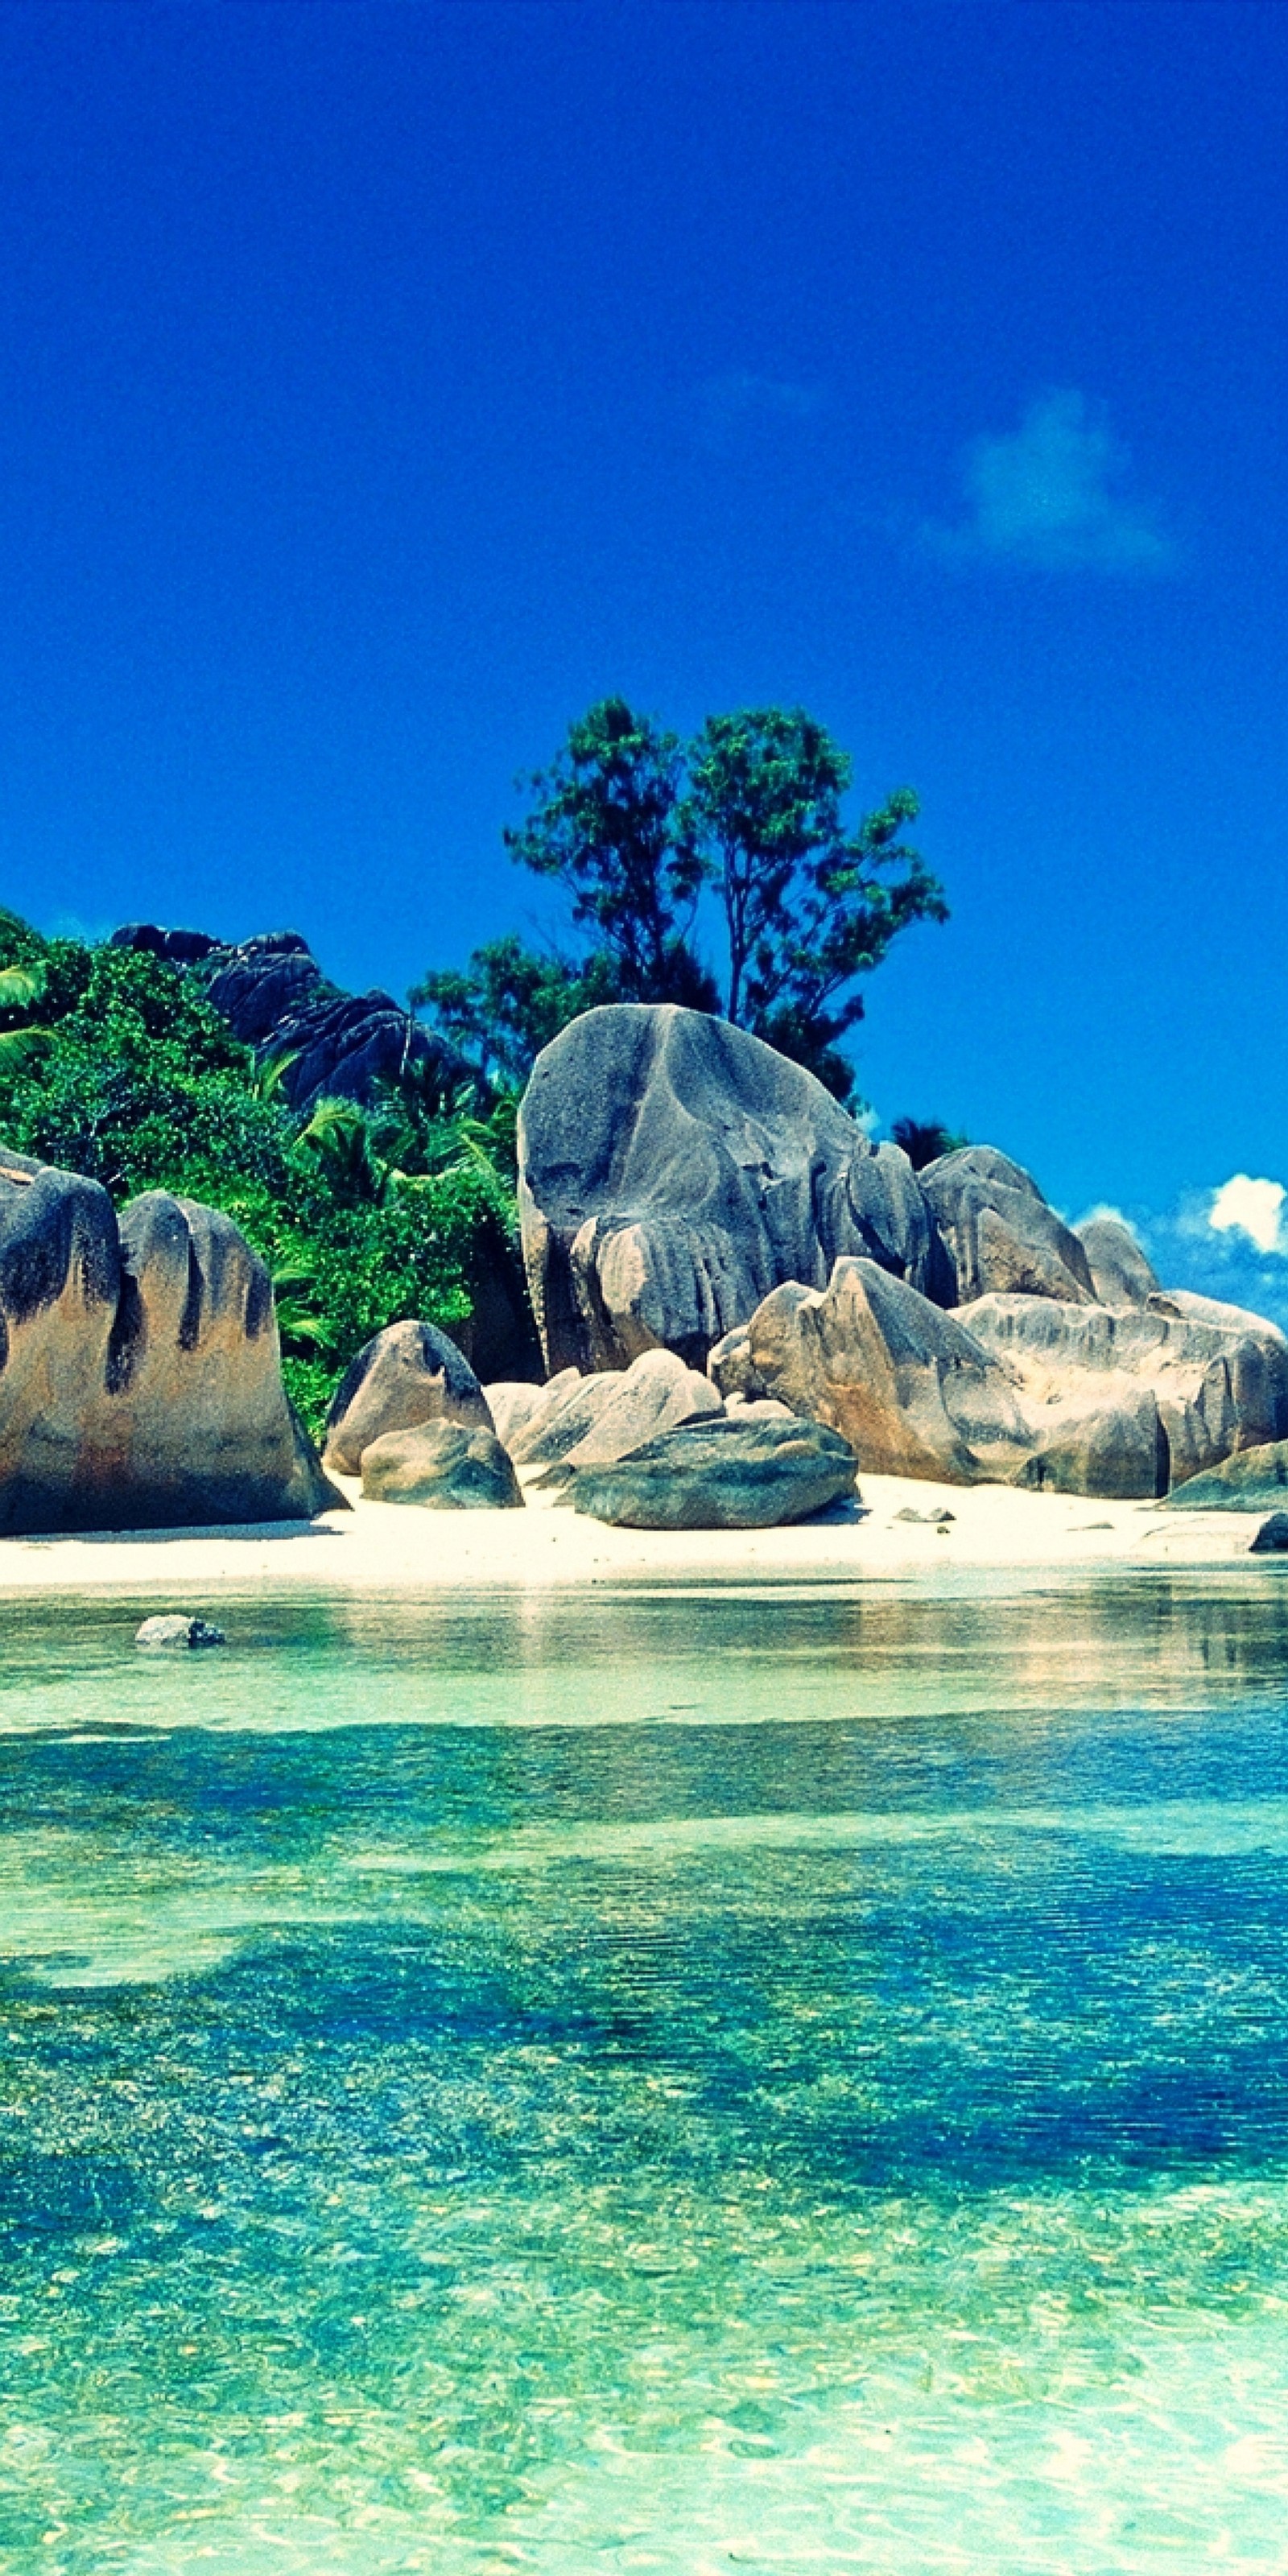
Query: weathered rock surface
(443,1467)
(654,1395)
(1253,1480)
(905,1384)
(1120,1273)
(512,1404)
(528,1424)
(999,1231)
(721,1474)
(673,1170)
(1272,1537)
(1219,1376)
(140,1384)
(600,1416)
(409,1374)
(1103,1438)
(178,947)
(176,1630)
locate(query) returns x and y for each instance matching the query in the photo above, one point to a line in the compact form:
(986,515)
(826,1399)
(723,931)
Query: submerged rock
(673,1170)
(443,1467)
(140,1381)
(179,1630)
(409,1374)
(721,1474)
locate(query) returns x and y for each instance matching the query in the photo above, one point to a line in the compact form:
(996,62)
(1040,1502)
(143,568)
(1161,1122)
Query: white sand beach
(380,1547)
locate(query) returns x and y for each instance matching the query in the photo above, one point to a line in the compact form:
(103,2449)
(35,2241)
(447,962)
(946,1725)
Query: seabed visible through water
(725,2080)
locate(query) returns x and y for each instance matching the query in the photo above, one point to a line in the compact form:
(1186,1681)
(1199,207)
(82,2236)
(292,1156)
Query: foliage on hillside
(116,1065)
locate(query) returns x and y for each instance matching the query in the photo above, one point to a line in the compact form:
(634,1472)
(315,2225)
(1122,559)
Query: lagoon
(763,2078)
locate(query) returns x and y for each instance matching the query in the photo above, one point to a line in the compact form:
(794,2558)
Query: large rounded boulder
(721,1474)
(140,1382)
(409,1374)
(674,1170)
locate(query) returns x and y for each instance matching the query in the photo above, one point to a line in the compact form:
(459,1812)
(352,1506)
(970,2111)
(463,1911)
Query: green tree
(139,1084)
(636,826)
(809,907)
(925,1139)
(608,821)
(510,1001)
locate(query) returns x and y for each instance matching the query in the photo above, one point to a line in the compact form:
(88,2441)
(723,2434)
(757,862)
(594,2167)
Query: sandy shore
(381,1547)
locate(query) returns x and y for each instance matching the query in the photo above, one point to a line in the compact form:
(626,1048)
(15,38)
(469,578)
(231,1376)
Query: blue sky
(380,384)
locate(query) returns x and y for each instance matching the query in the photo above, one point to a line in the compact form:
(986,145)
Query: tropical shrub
(115,1064)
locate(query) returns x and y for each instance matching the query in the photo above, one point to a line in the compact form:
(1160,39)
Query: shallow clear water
(769,2082)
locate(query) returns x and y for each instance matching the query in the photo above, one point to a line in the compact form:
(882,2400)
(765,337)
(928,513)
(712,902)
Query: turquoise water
(725,2082)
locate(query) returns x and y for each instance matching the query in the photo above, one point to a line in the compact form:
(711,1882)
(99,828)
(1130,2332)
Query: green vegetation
(640,829)
(116,1065)
(925,1139)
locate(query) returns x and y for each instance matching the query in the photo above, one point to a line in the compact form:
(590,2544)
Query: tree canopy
(742,831)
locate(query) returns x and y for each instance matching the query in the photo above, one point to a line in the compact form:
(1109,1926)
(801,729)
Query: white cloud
(1046,496)
(1254,1208)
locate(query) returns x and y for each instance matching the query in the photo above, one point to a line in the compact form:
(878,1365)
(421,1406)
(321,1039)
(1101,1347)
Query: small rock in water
(178,1631)
(1272,1537)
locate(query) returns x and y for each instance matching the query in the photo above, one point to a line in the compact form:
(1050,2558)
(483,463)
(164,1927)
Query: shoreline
(390,1548)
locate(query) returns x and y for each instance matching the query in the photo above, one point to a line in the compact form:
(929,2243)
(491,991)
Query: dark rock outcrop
(673,1170)
(1253,1480)
(721,1474)
(140,1385)
(409,1374)
(442,1467)
(178,947)
(256,985)
(275,997)
(1120,1273)
(1272,1537)
(999,1231)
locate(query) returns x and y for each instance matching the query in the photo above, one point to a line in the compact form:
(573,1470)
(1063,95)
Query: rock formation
(720,1474)
(140,1385)
(905,1385)
(443,1467)
(917,1392)
(1272,1537)
(409,1374)
(999,1231)
(601,1417)
(275,997)
(1219,1376)
(1253,1480)
(673,1170)
(1120,1273)
(175,1630)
